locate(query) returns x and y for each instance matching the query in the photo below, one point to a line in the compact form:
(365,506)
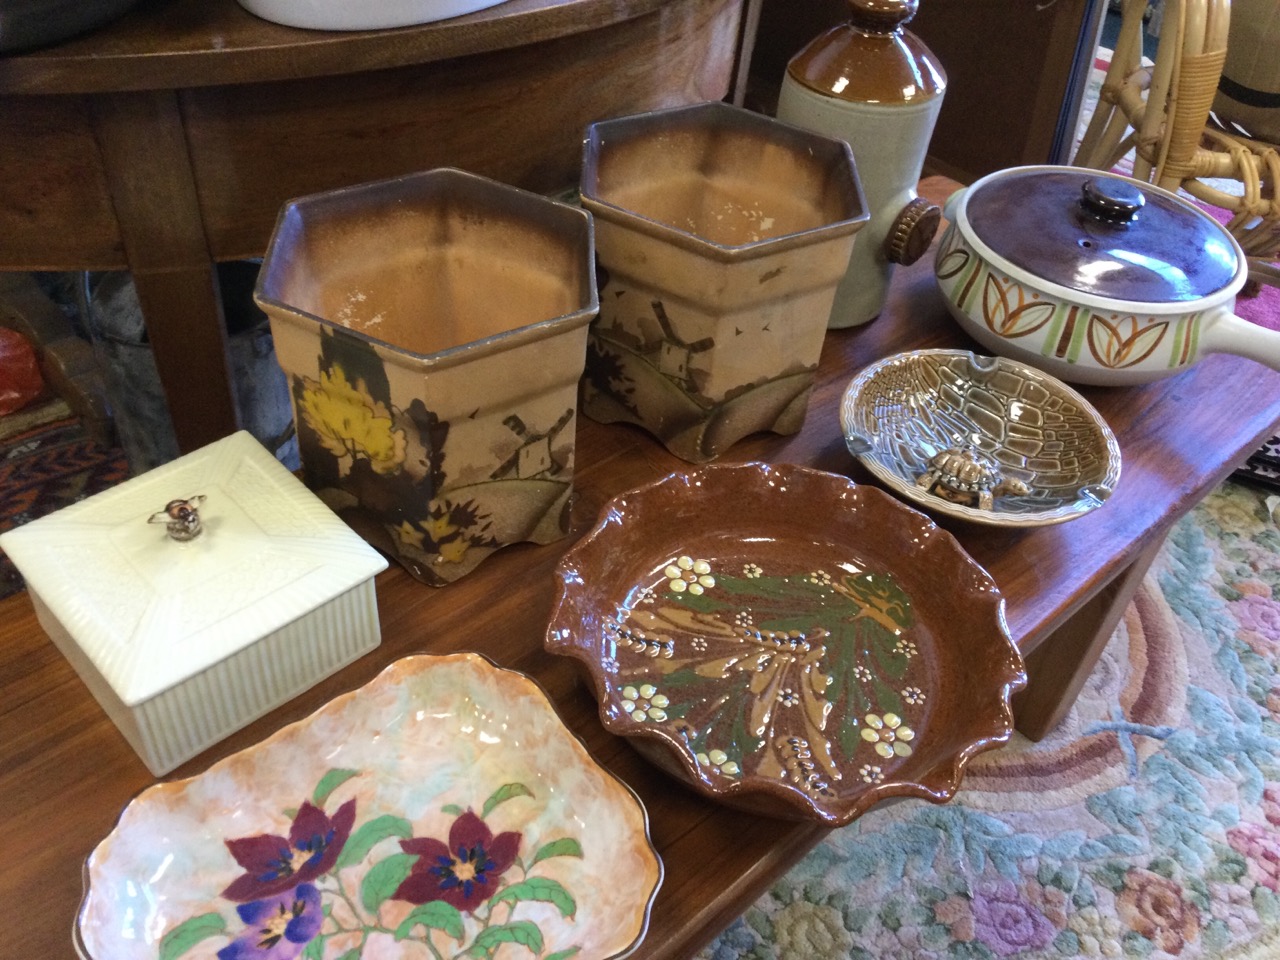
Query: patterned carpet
(47,467)
(1146,826)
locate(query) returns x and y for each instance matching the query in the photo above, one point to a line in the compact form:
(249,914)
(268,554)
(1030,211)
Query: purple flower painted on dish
(463,873)
(1006,922)
(279,927)
(275,864)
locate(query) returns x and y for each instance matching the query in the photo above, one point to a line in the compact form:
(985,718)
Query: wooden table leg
(153,192)
(1059,666)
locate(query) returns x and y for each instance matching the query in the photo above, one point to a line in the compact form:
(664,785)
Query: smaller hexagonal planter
(721,235)
(433,329)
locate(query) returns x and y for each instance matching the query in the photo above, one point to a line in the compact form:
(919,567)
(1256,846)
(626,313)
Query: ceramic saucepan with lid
(1094,277)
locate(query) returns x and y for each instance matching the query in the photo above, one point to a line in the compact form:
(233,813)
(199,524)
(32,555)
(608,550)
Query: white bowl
(349,15)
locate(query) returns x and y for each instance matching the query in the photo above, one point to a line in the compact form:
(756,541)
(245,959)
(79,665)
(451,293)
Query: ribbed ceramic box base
(185,720)
(184,640)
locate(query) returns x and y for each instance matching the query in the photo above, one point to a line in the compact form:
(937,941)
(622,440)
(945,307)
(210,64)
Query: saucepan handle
(1224,332)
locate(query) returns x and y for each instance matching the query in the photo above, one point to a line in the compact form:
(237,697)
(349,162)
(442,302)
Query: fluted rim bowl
(369,801)
(786,641)
(900,413)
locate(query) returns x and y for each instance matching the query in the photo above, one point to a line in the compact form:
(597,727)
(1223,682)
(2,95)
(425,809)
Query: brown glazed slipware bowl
(788,642)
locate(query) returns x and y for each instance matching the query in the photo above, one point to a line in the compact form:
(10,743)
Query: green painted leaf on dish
(330,782)
(384,879)
(187,934)
(542,889)
(436,915)
(502,795)
(369,835)
(564,847)
(522,932)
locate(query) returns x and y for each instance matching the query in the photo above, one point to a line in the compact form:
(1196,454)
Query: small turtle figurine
(967,476)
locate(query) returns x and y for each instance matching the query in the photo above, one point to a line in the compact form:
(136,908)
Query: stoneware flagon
(786,641)
(433,328)
(721,234)
(443,809)
(984,439)
(1094,277)
(874,84)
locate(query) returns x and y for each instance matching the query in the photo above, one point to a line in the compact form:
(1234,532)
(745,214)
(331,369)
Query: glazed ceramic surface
(721,234)
(875,85)
(183,642)
(433,328)
(344,15)
(441,810)
(788,641)
(1090,294)
(902,414)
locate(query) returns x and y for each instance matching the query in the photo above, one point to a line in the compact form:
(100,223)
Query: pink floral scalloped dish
(787,641)
(442,810)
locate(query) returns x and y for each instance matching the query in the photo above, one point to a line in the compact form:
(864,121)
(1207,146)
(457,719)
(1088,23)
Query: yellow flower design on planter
(889,734)
(454,550)
(350,423)
(645,703)
(689,574)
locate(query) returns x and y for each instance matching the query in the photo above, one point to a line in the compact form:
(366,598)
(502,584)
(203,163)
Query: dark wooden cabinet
(1016,73)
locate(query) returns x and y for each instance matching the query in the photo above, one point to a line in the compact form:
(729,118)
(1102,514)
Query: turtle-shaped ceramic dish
(986,439)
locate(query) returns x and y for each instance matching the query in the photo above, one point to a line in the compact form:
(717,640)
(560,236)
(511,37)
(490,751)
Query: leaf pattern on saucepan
(1007,310)
(1123,341)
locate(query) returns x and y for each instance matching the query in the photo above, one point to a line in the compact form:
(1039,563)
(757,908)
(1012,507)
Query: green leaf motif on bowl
(787,674)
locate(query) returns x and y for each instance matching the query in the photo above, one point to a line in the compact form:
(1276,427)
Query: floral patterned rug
(1147,825)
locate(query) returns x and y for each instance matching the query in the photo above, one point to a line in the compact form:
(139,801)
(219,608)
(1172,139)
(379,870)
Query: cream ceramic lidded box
(198,596)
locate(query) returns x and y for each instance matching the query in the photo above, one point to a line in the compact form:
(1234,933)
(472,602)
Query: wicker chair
(1163,115)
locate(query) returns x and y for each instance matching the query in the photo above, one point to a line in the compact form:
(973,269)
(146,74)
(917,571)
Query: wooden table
(169,139)
(65,772)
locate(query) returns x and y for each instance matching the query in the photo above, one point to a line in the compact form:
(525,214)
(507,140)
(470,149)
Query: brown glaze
(1053,224)
(872,58)
(787,641)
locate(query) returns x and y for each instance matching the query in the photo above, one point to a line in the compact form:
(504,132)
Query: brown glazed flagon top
(872,58)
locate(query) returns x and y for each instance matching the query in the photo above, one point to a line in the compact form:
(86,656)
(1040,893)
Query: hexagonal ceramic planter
(433,328)
(721,234)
